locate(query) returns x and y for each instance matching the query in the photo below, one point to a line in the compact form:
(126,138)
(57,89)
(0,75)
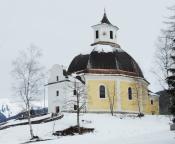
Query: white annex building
(61,90)
(57,83)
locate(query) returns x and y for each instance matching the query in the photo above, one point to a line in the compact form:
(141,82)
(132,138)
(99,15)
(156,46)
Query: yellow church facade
(113,79)
(117,94)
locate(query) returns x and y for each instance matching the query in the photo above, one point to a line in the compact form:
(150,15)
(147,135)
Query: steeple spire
(105,33)
(105,19)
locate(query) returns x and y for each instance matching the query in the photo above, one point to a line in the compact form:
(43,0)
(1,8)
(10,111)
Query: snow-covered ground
(108,130)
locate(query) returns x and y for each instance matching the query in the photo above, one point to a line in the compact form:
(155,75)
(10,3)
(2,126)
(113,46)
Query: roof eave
(105,24)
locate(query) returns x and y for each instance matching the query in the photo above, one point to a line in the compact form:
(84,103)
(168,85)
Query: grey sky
(62,29)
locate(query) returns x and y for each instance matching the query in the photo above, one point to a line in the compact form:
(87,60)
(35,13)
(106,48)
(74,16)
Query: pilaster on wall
(142,97)
(118,95)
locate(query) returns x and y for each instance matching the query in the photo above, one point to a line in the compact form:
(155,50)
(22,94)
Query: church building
(111,75)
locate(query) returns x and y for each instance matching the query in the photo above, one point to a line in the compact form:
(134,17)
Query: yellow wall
(139,96)
(126,104)
(95,103)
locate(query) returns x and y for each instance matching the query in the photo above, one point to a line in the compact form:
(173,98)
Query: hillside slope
(120,129)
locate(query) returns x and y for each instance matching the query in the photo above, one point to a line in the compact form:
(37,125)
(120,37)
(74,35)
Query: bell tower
(105,32)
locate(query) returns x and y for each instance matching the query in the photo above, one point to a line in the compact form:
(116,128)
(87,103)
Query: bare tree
(162,59)
(111,102)
(137,95)
(163,52)
(29,78)
(78,100)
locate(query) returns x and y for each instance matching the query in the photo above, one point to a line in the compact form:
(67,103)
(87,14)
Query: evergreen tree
(165,43)
(165,58)
(171,81)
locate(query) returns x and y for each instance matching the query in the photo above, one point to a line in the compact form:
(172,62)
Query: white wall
(56,70)
(64,87)
(105,28)
(53,86)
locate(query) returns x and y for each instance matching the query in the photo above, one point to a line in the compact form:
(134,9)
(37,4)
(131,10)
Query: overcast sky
(62,29)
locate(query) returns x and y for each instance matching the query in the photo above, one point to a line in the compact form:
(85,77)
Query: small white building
(56,88)
(61,88)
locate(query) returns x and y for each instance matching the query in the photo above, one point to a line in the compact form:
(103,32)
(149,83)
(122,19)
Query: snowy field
(119,129)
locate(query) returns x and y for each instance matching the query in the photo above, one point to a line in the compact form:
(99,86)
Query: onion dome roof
(105,59)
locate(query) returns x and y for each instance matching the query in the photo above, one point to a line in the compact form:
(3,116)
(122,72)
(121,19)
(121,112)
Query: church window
(111,34)
(129,93)
(152,102)
(97,34)
(57,93)
(57,78)
(102,91)
(75,107)
(74,92)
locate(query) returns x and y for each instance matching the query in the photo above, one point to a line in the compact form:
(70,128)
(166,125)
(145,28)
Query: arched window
(57,93)
(152,102)
(129,93)
(57,78)
(102,91)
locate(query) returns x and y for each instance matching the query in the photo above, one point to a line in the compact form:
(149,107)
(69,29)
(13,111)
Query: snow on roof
(106,48)
(153,94)
(101,48)
(119,49)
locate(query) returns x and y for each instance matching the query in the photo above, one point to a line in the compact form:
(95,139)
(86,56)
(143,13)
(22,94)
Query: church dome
(106,56)
(105,59)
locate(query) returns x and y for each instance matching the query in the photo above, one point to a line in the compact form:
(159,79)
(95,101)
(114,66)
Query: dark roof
(118,61)
(105,19)
(78,63)
(51,83)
